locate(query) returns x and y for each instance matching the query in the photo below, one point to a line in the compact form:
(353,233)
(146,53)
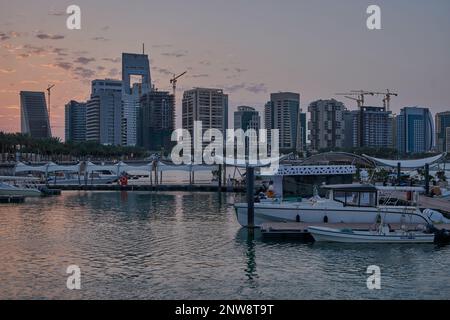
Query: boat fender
(325,219)
(297,218)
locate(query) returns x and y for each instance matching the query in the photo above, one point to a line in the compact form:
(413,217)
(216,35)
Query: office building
(104,112)
(136,81)
(443,131)
(75,121)
(283,112)
(156,121)
(327,125)
(210,106)
(415,130)
(34,119)
(246,118)
(369,127)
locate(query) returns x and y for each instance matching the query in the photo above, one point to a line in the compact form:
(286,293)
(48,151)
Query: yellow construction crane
(174,81)
(359,94)
(387,98)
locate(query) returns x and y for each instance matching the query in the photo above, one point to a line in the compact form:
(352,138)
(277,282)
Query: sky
(249,48)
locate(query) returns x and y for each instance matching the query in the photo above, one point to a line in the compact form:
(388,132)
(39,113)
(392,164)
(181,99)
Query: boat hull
(318,213)
(334,235)
(21,192)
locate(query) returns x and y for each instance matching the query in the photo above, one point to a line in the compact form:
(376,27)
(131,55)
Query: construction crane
(174,81)
(360,96)
(49,89)
(387,98)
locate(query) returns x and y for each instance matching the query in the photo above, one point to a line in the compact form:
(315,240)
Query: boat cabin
(353,195)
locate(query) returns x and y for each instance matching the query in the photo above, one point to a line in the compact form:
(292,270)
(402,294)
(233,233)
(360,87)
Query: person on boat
(271,191)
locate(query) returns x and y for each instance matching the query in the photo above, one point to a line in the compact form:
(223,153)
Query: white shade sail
(408,164)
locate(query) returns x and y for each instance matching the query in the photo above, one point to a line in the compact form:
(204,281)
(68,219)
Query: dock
(12,199)
(299,230)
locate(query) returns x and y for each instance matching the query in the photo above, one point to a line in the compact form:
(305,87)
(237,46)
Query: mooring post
(399,173)
(427,179)
(250,197)
(220,178)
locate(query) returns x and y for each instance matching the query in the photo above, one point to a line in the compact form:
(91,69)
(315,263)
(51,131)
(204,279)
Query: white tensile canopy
(185,168)
(408,164)
(49,167)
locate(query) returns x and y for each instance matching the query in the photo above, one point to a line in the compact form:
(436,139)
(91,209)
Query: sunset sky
(249,48)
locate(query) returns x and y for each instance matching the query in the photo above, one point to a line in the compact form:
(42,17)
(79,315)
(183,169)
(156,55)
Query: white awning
(408,164)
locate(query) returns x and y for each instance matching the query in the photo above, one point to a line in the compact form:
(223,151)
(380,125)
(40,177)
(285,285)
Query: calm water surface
(189,246)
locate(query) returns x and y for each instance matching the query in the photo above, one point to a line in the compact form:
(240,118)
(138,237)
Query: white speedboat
(10,190)
(350,203)
(382,235)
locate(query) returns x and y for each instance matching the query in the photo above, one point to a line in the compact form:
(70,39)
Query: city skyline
(315,57)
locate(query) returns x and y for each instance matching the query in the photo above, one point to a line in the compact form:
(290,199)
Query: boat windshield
(356,198)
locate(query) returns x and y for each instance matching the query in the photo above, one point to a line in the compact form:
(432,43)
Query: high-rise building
(210,106)
(351,128)
(75,121)
(443,131)
(327,125)
(247,118)
(34,118)
(415,130)
(104,112)
(283,112)
(136,81)
(369,127)
(157,120)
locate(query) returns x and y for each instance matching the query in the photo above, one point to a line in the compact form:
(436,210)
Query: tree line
(12,143)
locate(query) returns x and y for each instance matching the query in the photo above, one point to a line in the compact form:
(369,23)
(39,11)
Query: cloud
(156,46)
(251,87)
(163,71)
(29,82)
(35,50)
(205,62)
(46,36)
(203,75)
(84,73)
(7,71)
(64,65)
(113,60)
(11,34)
(84,60)
(113,72)
(100,68)
(175,54)
(240,70)
(257,88)
(235,87)
(56,12)
(105,28)
(62,52)
(103,39)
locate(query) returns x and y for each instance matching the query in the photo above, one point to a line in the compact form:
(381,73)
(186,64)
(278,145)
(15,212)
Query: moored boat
(351,203)
(382,235)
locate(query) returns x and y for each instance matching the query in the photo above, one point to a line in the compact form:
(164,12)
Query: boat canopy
(162,167)
(49,167)
(408,164)
(351,187)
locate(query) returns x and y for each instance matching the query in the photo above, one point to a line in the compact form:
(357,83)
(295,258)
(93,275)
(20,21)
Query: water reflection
(181,245)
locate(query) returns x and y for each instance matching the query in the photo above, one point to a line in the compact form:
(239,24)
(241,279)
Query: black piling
(250,197)
(427,179)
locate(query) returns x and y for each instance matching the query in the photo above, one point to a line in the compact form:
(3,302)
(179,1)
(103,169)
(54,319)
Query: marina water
(132,245)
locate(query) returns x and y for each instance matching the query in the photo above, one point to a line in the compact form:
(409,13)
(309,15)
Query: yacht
(7,189)
(348,203)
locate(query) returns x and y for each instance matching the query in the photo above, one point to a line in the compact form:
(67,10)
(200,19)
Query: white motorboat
(382,235)
(7,189)
(350,203)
